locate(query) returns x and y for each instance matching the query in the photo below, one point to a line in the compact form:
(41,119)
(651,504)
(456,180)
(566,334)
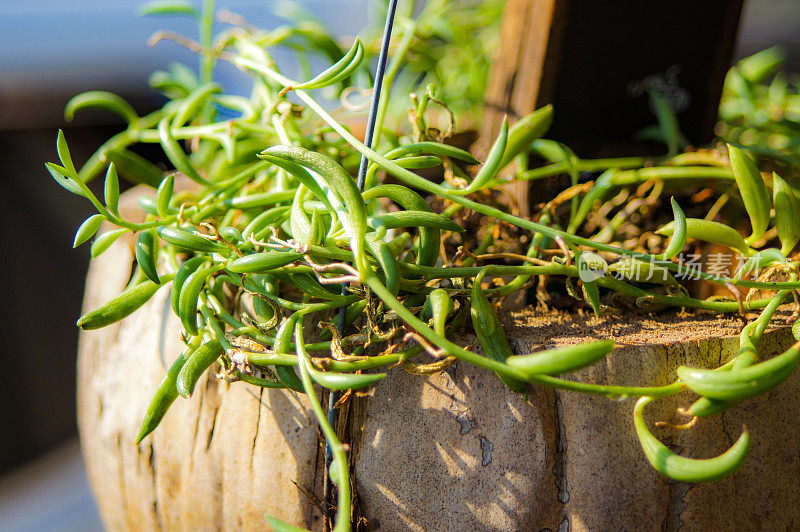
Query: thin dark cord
(333,398)
(383,57)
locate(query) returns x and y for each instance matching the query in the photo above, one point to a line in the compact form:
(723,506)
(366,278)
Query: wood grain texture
(453,451)
(517,73)
(221,460)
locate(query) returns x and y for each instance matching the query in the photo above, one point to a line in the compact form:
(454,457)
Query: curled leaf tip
(685,469)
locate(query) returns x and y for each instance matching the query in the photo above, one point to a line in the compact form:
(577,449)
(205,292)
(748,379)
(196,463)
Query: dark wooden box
(594,61)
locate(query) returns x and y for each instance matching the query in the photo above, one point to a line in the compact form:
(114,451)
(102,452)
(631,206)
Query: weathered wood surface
(221,460)
(456,451)
(453,451)
(528,31)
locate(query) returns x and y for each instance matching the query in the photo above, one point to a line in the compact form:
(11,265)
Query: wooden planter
(453,451)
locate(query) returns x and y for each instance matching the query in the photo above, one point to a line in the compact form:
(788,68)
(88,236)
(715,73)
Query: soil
(558,328)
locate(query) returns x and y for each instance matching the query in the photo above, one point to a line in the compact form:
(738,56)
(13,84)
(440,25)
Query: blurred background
(51,50)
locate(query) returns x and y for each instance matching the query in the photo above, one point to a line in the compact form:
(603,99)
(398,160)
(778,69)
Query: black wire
(383,57)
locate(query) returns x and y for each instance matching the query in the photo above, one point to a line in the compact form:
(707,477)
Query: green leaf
(345,381)
(121,306)
(64,155)
(194,103)
(434,148)
(166,83)
(525,131)
(753,190)
(134,167)
(684,469)
(641,271)
(760,260)
(492,165)
(164,195)
(710,231)
(591,267)
(185,76)
(561,360)
(758,67)
(112,190)
(146,252)
(176,83)
(489,331)
(398,219)
(299,222)
(168,7)
(787,213)
(678,239)
(165,395)
(601,186)
(176,155)
(104,241)
(59,173)
(101,100)
(667,122)
(88,229)
(339,70)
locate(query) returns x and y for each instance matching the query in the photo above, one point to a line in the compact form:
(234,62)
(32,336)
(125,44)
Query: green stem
(372,362)
(760,325)
(409,31)
(498,367)
(121,140)
(679,301)
(632,177)
(341,476)
(582,165)
(433,272)
(206,41)
(430,272)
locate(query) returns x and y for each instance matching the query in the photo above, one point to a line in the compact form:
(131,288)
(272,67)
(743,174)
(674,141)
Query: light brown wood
(519,65)
(517,73)
(453,451)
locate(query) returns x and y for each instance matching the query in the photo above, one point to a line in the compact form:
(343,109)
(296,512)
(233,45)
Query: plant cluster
(261,222)
(448,43)
(760,108)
